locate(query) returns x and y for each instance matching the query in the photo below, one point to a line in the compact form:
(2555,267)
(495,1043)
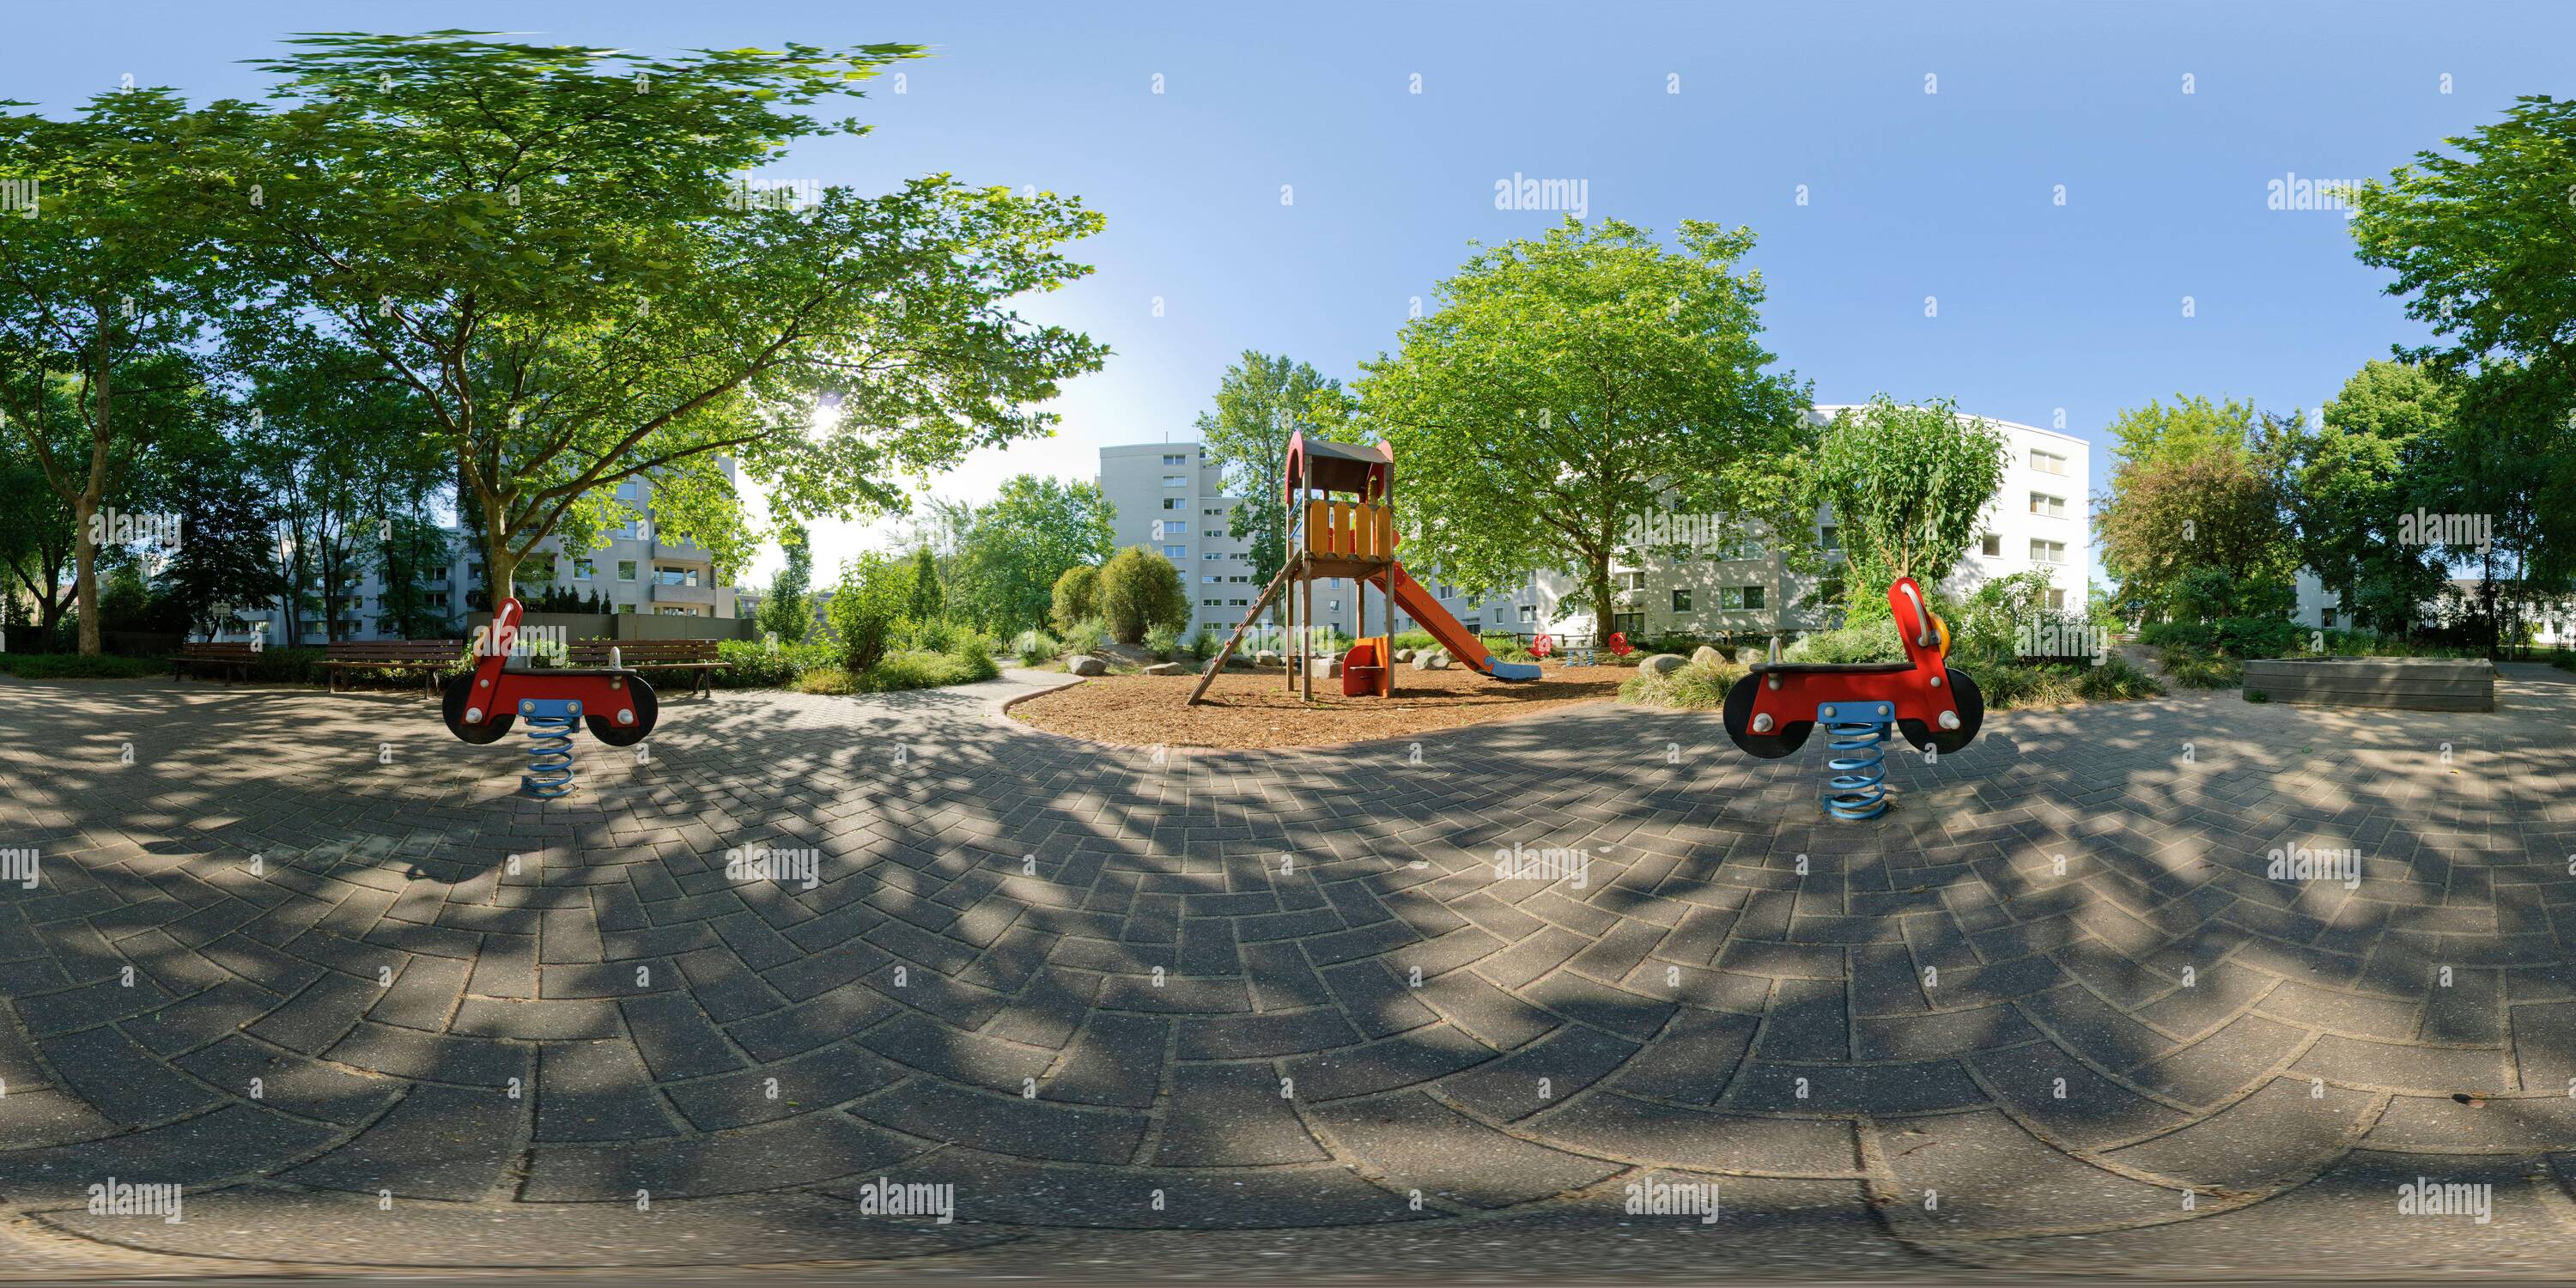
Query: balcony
(664,593)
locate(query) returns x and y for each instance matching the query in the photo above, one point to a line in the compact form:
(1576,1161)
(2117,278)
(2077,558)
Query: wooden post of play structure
(1306,665)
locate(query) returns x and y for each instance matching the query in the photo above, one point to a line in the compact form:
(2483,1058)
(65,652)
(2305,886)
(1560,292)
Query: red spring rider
(481,705)
(1770,712)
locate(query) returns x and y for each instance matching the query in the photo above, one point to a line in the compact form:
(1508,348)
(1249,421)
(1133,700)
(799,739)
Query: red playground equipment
(481,705)
(1937,707)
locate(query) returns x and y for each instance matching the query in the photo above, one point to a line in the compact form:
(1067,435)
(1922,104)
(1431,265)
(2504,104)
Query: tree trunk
(1605,606)
(85,574)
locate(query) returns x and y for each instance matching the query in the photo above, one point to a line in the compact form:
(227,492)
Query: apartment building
(638,572)
(1170,497)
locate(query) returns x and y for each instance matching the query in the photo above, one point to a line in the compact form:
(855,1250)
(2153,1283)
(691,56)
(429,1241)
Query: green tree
(2359,476)
(2199,485)
(1908,486)
(786,611)
(2483,247)
(865,606)
(1568,385)
(1261,402)
(543,243)
(1141,590)
(224,554)
(37,530)
(1011,551)
(98,310)
(1075,596)
(927,602)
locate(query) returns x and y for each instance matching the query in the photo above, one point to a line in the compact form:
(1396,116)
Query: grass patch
(922,669)
(826,679)
(76,666)
(1689,687)
(2198,669)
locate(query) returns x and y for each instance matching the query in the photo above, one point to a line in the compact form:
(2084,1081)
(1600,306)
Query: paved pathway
(308,957)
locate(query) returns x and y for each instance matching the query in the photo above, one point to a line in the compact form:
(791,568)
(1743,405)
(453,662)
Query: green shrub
(2198,670)
(1077,596)
(2257,695)
(2191,635)
(922,669)
(1693,686)
(1205,644)
(2040,684)
(826,679)
(302,666)
(864,609)
(1507,648)
(2115,680)
(1871,641)
(1090,635)
(1162,642)
(757,666)
(2243,637)
(930,635)
(75,666)
(1416,640)
(1036,648)
(1140,590)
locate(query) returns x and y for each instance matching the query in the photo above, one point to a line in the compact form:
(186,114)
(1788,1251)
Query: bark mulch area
(1255,709)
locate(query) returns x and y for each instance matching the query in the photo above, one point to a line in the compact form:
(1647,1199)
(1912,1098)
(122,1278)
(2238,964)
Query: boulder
(1404,655)
(1431,659)
(1706,655)
(1326,668)
(1238,659)
(1661,664)
(1167,668)
(1266,657)
(1087,665)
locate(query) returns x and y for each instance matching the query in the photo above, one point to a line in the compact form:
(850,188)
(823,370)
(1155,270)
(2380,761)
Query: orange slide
(1467,649)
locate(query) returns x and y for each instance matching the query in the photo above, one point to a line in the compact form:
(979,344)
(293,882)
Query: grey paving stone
(1410,1141)
(1231,1115)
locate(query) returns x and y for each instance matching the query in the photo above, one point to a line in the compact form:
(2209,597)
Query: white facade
(2036,521)
(636,573)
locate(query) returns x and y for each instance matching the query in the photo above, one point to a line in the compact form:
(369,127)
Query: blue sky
(2043,309)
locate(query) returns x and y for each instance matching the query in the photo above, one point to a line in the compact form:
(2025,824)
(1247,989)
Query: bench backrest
(216,652)
(394,650)
(595,652)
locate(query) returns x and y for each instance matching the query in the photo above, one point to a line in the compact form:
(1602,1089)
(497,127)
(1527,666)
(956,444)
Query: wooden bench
(231,659)
(428,657)
(654,655)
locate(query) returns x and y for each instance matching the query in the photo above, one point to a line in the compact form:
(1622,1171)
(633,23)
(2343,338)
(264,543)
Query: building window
(668,575)
(1831,537)
(1176,458)
(626,490)
(1176,480)
(1682,601)
(1529,612)
(1334,606)
(1211,603)
(1171,503)
(2056,600)
(2053,507)
(1993,546)
(1636,580)
(2325,618)
(1176,552)
(1213,556)
(1214,514)
(628,609)
(1753,597)
(2047,552)
(1211,580)
(626,570)
(584,570)
(2047,462)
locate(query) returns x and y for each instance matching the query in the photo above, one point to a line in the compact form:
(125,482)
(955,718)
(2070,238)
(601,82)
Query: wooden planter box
(2412,683)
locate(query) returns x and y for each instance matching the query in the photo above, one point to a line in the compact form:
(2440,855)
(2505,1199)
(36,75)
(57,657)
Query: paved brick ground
(309,956)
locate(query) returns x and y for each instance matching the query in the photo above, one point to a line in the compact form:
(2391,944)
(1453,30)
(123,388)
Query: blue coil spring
(1858,788)
(549,756)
